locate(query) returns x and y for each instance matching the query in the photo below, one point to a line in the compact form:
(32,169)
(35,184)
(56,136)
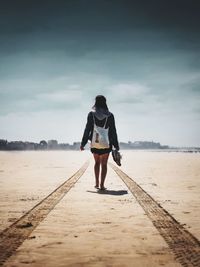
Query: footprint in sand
(12,219)
(26,225)
(154,184)
(191,186)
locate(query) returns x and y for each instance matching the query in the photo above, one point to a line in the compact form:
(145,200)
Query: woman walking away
(100,130)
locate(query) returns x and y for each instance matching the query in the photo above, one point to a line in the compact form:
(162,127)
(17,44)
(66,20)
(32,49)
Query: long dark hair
(100,102)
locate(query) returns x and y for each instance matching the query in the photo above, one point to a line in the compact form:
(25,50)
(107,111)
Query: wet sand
(91,228)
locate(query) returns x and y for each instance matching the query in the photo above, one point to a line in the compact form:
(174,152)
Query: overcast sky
(144,56)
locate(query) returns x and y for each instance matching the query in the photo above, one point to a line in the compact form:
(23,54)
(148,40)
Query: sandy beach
(90,228)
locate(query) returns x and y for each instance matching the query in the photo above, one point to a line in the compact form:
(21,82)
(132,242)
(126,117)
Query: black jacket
(112,134)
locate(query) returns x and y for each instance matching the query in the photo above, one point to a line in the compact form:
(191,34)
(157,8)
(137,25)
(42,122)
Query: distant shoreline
(53,145)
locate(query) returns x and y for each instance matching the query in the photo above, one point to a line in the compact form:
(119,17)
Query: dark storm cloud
(51,24)
(80,27)
(143,55)
(43,14)
(122,39)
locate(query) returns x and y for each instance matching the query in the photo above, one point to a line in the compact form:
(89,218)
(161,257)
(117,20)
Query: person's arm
(114,133)
(87,131)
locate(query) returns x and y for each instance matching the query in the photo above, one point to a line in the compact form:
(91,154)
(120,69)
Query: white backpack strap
(105,122)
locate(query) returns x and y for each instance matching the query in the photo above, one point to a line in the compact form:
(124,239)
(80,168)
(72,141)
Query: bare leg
(97,168)
(104,160)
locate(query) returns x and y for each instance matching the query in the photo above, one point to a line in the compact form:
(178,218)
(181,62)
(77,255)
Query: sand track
(13,236)
(183,244)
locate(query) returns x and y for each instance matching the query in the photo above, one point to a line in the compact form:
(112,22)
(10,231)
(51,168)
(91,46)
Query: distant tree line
(42,145)
(54,145)
(142,145)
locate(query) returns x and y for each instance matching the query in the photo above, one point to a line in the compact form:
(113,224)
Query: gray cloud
(56,56)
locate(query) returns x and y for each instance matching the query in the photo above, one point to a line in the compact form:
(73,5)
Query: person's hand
(81,148)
